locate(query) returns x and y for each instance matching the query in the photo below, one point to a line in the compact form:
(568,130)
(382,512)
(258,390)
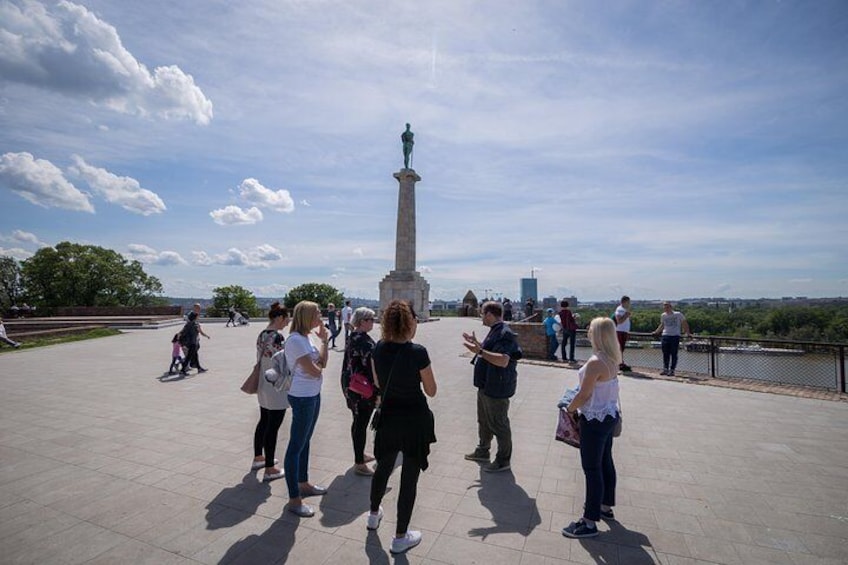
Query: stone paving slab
(104,461)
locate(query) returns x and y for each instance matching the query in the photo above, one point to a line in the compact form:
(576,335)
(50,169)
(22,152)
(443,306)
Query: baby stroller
(242,319)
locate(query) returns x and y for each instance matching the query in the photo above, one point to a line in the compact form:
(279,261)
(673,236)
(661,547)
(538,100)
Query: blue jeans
(552,346)
(597,463)
(568,336)
(296,463)
(670,345)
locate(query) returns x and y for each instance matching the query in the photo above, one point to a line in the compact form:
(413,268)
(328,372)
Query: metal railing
(805,363)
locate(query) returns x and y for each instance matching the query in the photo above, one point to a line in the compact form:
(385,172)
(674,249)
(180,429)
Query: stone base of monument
(409,286)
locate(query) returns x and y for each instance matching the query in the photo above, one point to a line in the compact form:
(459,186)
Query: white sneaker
(407,542)
(374,519)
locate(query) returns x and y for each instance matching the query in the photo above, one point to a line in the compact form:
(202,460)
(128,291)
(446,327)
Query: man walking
(622,328)
(495,377)
(332,323)
(347,313)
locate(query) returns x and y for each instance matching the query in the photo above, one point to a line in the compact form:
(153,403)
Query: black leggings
(362,410)
(408,486)
(265,436)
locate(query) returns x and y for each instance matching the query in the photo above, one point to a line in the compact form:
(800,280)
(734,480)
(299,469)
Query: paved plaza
(102,461)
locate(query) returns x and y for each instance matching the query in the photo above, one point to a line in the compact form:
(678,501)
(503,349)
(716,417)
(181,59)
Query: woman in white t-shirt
(307,363)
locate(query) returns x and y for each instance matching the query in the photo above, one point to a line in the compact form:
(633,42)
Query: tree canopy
(320,293)
(233,295)
(71,274)
(10,281)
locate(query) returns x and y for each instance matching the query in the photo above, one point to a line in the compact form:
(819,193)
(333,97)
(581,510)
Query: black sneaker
(607,514)
(624,367)
(579,529)
(671,373)
(478,455)
(496,466)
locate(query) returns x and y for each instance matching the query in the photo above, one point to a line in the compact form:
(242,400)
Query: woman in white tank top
(597,408)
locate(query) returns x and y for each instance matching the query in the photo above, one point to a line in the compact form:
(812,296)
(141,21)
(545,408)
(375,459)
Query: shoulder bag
(251,383)
(376,419)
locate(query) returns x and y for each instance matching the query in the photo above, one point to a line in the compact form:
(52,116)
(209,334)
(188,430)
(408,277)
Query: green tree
(86,275)
(10,281)
(320,293)
(242,299)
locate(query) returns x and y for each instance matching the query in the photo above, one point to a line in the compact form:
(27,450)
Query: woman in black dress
(403,375)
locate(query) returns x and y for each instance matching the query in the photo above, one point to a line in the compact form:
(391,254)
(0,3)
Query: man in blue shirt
(551,331)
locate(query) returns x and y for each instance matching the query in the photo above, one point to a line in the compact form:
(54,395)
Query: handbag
(251,383)
(360,384)
(568,430)
(377,418)
(616,431)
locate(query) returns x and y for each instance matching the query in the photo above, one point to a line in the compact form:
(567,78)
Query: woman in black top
(402,369)
(357,360)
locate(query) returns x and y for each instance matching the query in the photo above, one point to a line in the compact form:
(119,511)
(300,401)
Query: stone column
(405,239)
(404,282)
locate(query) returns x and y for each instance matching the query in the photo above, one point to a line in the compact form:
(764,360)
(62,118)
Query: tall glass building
(529,289)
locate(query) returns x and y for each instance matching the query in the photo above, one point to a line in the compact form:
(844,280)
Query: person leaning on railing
(671,323)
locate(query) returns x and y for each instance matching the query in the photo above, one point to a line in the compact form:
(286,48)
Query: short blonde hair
(303,316)
(360,315)
(602,335)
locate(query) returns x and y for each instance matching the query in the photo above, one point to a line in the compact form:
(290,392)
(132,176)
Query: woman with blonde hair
(404,375)
(597,408)
(307,363)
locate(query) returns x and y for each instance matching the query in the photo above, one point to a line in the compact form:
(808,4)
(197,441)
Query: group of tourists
(386,384)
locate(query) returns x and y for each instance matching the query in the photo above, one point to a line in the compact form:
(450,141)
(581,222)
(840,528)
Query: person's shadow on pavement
(513,511)
(620,545)
(348,497)
(246,496)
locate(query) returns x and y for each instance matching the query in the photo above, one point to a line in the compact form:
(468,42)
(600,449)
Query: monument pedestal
(409,286)
(404,282)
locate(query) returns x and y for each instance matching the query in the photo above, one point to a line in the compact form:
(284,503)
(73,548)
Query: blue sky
(659,149)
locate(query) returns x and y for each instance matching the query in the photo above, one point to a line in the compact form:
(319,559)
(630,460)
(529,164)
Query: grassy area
(53,340)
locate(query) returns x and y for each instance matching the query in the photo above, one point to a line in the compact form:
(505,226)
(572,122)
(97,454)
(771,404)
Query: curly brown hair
(398,322)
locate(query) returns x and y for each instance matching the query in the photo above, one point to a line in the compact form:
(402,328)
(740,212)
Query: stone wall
(71,311)
(531,338)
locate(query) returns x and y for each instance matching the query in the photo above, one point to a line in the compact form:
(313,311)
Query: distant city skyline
(659,150)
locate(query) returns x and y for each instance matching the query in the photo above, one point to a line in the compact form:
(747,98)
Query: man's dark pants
(493,421)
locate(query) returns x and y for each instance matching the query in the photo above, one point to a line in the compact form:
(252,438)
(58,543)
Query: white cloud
(123,191)
(358,252)
(16,252)
(424,269)
(305,203)
(41,182)
(271,290)
(148,255)
(26,237)
(235,216)
(68,49)
(255,258)
(267,252)
(278,200)
(202,259)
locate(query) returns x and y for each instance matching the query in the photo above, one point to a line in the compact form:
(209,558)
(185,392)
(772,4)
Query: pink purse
(360,384)
(568,431)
